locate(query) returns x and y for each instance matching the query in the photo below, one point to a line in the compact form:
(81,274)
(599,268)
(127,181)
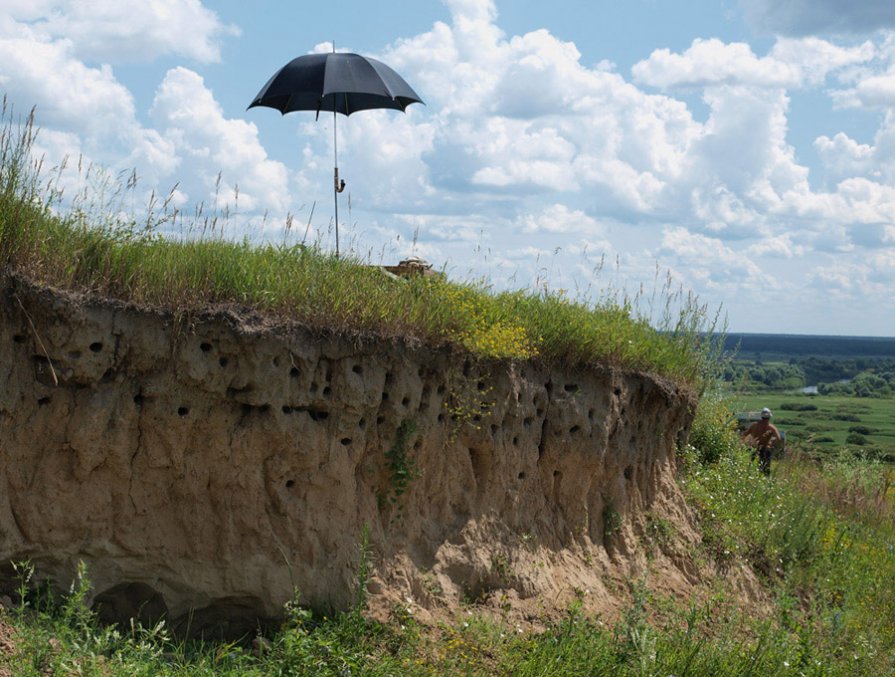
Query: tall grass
(87,247)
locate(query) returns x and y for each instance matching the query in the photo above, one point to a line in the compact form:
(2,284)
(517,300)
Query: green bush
(795,406)
(714,433)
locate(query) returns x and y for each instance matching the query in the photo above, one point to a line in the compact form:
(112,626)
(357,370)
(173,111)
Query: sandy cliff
(206,468)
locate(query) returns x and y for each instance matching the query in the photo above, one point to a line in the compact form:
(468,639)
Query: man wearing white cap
(763,436)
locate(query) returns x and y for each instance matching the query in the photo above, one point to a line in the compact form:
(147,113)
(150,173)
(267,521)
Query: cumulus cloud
(790,63)
(713,62)
(187,114)
(843,156)
(814,17)
(126,30)
(558,218)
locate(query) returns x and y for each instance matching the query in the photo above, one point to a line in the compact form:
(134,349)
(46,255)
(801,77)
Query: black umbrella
(337,82)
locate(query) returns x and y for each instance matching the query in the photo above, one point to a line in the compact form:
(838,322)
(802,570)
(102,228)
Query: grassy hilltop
(82,245)
(820,537)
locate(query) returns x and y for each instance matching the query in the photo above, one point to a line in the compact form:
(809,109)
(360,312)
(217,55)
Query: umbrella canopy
(338,82)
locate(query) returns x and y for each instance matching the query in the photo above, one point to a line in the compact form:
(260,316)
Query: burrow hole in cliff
(574,429)
(318,415)
(290,484)
(590,415)
(389,378)
(358,369)
(223,361)
(43,401)
(19,338)
(139,399)
(617,392)
(571,388)
(183,411)
(295,372)
(515,441)
(346,441)
(481,466)
(628,472)
(362,423)
(557,482)
(405,401)
(96,347)
(205,347)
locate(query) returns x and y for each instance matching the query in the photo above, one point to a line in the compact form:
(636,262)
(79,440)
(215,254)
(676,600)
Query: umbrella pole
(336,179)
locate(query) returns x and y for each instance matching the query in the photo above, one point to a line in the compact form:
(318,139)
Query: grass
(86,244)
(826,430)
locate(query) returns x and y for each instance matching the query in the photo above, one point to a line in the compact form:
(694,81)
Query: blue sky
(746,148)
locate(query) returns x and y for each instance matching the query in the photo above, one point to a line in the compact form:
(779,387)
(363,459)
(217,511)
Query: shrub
(714,433)
(795,406)
(857,439)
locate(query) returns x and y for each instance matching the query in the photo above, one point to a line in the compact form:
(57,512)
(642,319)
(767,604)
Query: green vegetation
(825,425)
(78,245)
(401,467)
(860,377)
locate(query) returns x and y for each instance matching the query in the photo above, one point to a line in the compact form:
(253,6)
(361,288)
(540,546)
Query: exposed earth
(205,468)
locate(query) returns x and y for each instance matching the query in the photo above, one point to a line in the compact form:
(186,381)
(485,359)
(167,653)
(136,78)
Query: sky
(743,149)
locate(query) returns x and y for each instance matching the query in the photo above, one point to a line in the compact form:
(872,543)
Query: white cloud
(206,142)
(843,156)
(558,218)
(713,62)
(126,30)
(67,93)
(790,63)
(707,263)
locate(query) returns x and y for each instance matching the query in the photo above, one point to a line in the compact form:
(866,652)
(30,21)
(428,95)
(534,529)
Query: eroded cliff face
(208,470)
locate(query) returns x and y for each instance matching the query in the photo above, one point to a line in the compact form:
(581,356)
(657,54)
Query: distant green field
(836,422)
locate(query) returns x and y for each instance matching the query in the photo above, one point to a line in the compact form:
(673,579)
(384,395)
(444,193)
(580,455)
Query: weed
(612,520)
(402,469)
(363,571)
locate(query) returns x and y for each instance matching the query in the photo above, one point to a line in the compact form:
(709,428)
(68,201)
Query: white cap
(766,413)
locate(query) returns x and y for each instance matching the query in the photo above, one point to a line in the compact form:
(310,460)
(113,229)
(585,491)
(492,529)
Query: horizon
(741,151)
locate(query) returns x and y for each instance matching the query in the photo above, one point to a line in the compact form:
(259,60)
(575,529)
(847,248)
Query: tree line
(860,377)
